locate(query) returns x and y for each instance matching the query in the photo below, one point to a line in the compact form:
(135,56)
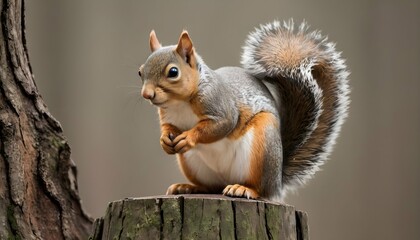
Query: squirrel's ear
(154,42)
(185,47)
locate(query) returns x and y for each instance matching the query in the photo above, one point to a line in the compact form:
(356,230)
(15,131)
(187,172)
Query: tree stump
(200,217)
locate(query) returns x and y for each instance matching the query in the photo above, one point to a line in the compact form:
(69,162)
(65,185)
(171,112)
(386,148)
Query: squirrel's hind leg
(265,157)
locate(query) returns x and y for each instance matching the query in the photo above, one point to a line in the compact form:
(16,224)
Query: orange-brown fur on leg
(252,186)
(206,131)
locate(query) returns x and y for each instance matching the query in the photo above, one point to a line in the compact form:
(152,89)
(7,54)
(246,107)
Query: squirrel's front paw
(184,188)
(166,141)
(184,142)
(240,191)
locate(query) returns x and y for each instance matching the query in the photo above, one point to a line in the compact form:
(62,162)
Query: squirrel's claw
(183,143)
(167,144)
(240,191)
(167,149)
(182,146)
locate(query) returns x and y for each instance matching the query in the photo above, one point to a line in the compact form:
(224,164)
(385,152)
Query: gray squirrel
(256,131)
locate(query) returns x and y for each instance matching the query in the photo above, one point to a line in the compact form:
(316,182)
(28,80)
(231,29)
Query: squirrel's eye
(173,72)
(139,73)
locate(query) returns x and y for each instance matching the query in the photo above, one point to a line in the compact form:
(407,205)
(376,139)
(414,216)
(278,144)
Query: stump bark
(200,217)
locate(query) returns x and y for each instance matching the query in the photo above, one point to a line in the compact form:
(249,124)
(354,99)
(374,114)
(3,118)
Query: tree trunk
(38,188)
(200,217)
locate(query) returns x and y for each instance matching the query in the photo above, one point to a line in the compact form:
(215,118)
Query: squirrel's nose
(148,94)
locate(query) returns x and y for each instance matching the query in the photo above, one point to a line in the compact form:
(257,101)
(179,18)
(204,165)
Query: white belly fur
(223,162)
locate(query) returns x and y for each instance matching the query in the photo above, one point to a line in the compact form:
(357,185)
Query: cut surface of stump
(200,217)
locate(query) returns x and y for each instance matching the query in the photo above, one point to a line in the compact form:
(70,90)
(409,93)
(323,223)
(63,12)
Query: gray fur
(272,169)
(155,59)
(221,86)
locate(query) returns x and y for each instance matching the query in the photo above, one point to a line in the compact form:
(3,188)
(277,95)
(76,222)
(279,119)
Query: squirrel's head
(170,73)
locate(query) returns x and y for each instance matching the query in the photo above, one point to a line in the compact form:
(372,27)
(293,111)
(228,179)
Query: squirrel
(253,132)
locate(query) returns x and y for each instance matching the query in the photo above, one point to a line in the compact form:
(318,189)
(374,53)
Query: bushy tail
(311,79)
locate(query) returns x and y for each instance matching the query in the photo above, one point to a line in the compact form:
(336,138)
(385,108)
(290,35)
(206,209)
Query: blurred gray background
(85,56)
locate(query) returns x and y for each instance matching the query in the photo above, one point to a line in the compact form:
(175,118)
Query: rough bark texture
(200,217)
(38,189)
